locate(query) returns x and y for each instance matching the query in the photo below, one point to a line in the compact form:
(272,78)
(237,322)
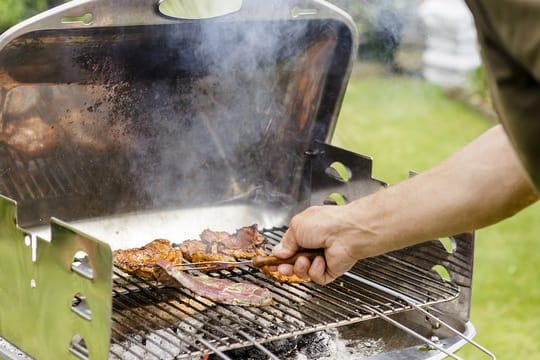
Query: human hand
(318,227)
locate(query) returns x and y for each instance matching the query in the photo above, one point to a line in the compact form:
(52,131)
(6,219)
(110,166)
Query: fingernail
(277,248)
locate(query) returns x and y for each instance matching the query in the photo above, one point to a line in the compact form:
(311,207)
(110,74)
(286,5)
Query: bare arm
(478,186)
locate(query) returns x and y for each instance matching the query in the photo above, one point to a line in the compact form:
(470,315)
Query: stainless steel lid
(149,111)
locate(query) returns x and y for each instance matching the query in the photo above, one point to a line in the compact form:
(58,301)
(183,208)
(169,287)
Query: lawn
(405,124)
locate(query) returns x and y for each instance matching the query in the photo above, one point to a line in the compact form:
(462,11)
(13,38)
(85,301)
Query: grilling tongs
(257,261)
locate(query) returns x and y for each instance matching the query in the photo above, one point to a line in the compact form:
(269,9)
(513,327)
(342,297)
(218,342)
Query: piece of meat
(142,261)
(196,251)
(245,243)
(33,137)
(276,275)
(244,238)
(243,253)
(215,236)
(219,290)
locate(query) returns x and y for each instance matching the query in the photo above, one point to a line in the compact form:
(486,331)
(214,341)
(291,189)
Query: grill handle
(271,260)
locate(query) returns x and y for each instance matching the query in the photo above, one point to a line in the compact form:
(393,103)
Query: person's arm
(478,186)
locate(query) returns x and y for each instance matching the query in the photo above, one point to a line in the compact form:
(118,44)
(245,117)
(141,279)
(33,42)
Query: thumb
(287,247)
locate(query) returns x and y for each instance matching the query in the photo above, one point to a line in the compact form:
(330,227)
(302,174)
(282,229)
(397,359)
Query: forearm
(478,186)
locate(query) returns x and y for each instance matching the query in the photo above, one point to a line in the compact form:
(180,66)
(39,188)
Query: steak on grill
(218,290)
(142,261)
(245,243)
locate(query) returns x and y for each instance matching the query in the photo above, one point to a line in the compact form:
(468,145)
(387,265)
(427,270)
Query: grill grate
(151,321)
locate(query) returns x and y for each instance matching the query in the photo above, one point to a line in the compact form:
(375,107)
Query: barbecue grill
(125,121)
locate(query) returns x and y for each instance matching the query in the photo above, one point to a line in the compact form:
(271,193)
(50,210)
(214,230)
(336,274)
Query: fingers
(316,270)
(286,269)
(311,229)
(288,245)
(319,272)
(300,268)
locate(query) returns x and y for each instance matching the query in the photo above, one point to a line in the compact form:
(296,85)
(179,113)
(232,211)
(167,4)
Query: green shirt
(509,35)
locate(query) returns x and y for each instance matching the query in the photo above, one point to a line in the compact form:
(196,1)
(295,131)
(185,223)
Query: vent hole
(442,272)
(449,245)
(85,19)
(79,306)
(336,199)
(77,346)
(339,172)
(81,265)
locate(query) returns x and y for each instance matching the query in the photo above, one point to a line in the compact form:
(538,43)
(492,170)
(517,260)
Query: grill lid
(187,111)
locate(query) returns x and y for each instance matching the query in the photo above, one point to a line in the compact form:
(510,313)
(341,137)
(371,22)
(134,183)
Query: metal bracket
(339,175)
(41,311)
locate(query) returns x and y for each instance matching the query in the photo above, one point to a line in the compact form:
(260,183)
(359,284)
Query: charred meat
(218,290)
(276,275)
(245,243)
(196,251)
(142,261)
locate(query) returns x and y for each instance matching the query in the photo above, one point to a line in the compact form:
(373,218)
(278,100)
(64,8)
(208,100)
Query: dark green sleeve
(509,35)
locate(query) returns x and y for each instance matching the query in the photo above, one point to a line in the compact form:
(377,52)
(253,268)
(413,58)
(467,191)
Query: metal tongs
(257,261)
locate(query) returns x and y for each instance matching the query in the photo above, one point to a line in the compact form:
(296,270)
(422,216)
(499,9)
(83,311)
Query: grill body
(143,126)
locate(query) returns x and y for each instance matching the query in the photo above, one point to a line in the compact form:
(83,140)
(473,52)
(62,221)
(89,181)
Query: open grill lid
(170,112)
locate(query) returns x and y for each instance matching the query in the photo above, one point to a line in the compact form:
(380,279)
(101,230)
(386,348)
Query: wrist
(370,225)
(358,230)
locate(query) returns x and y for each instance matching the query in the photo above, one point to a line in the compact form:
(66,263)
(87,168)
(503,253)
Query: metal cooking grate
(151,321)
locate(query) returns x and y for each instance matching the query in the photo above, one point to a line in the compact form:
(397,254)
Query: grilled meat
(243,238)
(245,243)
(276,275)
(219,290)
(210,236)
(195,251)
(142,261)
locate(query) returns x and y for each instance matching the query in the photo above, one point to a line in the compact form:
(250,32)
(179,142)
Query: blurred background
(417,94)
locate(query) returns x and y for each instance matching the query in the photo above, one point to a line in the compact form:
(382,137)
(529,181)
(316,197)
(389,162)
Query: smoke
(191,112)
(212,107)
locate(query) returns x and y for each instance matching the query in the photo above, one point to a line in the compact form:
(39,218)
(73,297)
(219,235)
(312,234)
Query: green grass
(405,124)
